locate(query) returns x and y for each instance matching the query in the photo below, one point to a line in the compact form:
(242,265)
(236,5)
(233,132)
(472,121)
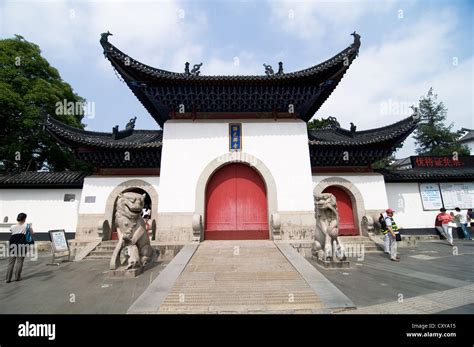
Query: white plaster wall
(45,208)
(370,185)
(188,147)
(102,186)
(405,198)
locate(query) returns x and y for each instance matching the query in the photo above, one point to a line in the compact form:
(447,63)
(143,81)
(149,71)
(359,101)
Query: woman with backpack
(18,246)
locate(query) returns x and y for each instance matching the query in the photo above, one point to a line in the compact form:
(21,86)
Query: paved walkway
(240,277)
(430,278)
(438,302)
(74,287)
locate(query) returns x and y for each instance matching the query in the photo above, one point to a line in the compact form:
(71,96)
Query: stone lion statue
(327,245)
(131,232)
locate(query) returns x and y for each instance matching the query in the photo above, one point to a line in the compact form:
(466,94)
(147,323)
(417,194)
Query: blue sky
(407,47)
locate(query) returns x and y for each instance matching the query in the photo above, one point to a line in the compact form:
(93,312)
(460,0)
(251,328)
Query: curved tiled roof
(163,92)
(468,137)
(327,146)
(131,66)
(139,139)
(63,179)
(336,136)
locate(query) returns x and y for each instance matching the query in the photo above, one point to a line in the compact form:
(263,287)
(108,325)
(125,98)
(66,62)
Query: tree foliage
(29,88)
(323,123)
(433,137)
(384,163)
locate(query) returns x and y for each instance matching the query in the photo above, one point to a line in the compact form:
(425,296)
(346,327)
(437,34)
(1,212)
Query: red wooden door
(236,205)
(347,226)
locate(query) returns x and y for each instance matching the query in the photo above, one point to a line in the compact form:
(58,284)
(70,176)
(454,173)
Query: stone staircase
(104,250)
(356,242)
(240,277)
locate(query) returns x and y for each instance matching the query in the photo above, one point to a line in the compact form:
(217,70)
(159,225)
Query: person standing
(439,227)
(18,247)
(461,218)
(146,211)
(445,219)
(470,218)
(386,240)
(146,219)
(390,229)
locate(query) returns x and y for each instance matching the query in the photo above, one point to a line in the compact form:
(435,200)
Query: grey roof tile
(62,179)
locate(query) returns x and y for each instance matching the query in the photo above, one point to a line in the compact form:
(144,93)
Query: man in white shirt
(462,219)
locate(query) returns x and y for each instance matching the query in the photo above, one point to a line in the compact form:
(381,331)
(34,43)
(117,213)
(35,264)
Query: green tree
(29,88)
(433,137)
(323,123)
(384,163)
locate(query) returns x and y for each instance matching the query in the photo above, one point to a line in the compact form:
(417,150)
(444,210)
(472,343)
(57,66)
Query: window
(89,199)
(69,197)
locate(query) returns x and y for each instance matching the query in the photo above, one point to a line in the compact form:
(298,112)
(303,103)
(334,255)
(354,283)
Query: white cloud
(51,25)
(149,31)
(401,70)
(313,20)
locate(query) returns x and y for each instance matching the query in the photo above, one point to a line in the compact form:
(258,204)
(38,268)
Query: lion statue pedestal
(133,251)
(328,250)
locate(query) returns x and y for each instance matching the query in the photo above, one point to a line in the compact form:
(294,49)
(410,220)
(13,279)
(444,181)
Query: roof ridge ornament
(268,70)
(353,129)
(416,114)
(356,38)
(280,69)
(104,37)
(120,134)
(195,70)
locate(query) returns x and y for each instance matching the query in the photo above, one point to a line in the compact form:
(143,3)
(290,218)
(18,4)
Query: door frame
(246,167)
(358,206)
(353,208)
(123,186)
(242,158)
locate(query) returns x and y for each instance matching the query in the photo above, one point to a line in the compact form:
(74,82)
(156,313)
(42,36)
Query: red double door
(236,205)
(347,226)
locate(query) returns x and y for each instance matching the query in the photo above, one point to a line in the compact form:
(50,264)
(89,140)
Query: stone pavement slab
(424,304)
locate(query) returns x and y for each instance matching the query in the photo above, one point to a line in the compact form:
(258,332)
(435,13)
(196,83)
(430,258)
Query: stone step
(354,238)
(104,253)
(105,248)
(360,243)
(421,237)
(356,242)
(109,242)
(77,243)
(91,256)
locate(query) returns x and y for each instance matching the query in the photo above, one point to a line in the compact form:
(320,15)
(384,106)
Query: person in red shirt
(443,219)
(146,219)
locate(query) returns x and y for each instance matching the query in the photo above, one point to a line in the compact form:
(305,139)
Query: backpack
(28,237)
(383,223)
